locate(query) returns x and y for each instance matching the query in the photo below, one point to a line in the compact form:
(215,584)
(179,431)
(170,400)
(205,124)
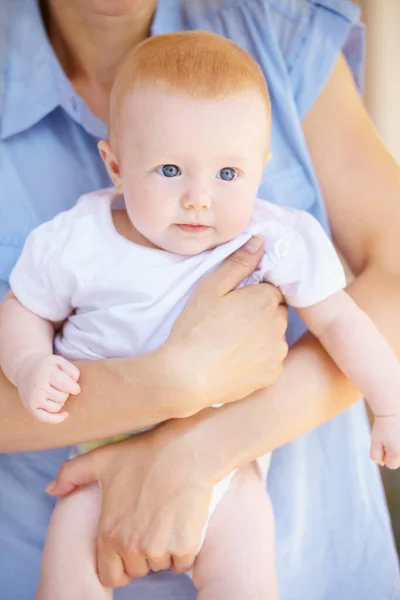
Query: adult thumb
(74,473)
(235,268)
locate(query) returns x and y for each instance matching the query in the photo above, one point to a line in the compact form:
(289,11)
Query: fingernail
(253,244)
(50,487)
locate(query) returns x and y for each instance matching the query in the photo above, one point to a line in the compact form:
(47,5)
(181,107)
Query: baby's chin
(194,245)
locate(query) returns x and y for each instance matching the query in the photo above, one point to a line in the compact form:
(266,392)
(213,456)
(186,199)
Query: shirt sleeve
(302,262)
(311,34)
(40,279)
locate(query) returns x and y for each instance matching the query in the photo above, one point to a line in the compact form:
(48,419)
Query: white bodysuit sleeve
(41,280)
(301,260)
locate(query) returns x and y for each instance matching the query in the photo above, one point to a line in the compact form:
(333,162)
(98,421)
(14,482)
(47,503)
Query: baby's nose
(197,199)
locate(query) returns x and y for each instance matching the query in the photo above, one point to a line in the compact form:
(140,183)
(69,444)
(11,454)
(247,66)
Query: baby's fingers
(52,418)
(392,460)
(54,395)
(51,406)
(68,368)
(377,452)
(62,381)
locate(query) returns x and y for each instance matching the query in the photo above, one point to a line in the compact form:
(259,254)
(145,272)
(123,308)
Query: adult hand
(227,342)
(155,500)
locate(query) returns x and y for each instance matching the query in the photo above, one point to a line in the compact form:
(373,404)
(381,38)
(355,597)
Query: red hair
(197,64)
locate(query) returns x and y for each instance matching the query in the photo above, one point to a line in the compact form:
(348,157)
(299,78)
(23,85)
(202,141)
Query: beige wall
(382,18)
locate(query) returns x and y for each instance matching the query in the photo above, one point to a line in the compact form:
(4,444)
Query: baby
(190,122)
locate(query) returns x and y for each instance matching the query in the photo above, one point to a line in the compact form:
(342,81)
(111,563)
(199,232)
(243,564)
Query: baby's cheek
(148,218)
(235,221)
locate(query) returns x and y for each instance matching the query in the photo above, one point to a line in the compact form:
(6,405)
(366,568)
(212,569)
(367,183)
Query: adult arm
(207,359)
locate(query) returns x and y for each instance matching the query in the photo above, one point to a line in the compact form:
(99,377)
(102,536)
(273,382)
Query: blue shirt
(333,533)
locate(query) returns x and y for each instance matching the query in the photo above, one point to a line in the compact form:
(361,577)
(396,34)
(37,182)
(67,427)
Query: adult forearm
(310,391)
(118,396)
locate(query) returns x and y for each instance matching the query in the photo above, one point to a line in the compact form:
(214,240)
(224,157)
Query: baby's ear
(111,163)
(104,149)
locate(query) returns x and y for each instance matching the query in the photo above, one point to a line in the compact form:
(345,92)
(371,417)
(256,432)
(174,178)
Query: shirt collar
(27,82)
(32,81)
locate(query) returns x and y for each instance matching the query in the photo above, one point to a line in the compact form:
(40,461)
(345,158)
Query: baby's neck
(124,227)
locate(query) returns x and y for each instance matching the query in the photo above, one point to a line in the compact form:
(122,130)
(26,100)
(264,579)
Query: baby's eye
(169,170)
(227,174)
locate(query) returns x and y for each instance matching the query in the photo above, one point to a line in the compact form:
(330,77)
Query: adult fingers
(184,554)
(137,566)
(181,563)
(119,553)
(74,473)
(234,269)
(160,564)
(263,295)
(110,566)
(156,541)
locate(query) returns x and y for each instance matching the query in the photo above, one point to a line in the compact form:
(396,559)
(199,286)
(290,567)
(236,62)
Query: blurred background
(382,96)
(382,84)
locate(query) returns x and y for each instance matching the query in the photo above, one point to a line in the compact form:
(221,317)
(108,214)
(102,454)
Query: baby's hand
(385,441)
(44,383)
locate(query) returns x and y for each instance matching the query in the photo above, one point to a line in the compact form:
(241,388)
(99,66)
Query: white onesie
(121,299)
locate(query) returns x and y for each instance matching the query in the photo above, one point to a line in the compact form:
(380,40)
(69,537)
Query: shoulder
(288,232)
(93,203)
(299,257)
(88,205)
(282,35)
(282,10)
(60,232)
(270,217)
(288,20)
(298,16)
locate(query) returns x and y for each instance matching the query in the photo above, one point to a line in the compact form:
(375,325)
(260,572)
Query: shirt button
(74,104)
(281,248)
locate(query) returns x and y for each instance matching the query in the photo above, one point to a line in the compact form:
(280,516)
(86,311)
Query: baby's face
(190,169)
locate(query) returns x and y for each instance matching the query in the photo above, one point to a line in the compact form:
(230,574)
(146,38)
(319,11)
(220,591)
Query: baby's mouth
(192,228)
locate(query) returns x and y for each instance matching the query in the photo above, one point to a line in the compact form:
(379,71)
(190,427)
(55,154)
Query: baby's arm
(44,380)
(361,352)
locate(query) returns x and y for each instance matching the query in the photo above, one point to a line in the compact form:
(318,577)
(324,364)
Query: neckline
(158,255)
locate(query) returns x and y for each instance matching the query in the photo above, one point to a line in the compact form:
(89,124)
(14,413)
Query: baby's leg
(69,566)
(237,560)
